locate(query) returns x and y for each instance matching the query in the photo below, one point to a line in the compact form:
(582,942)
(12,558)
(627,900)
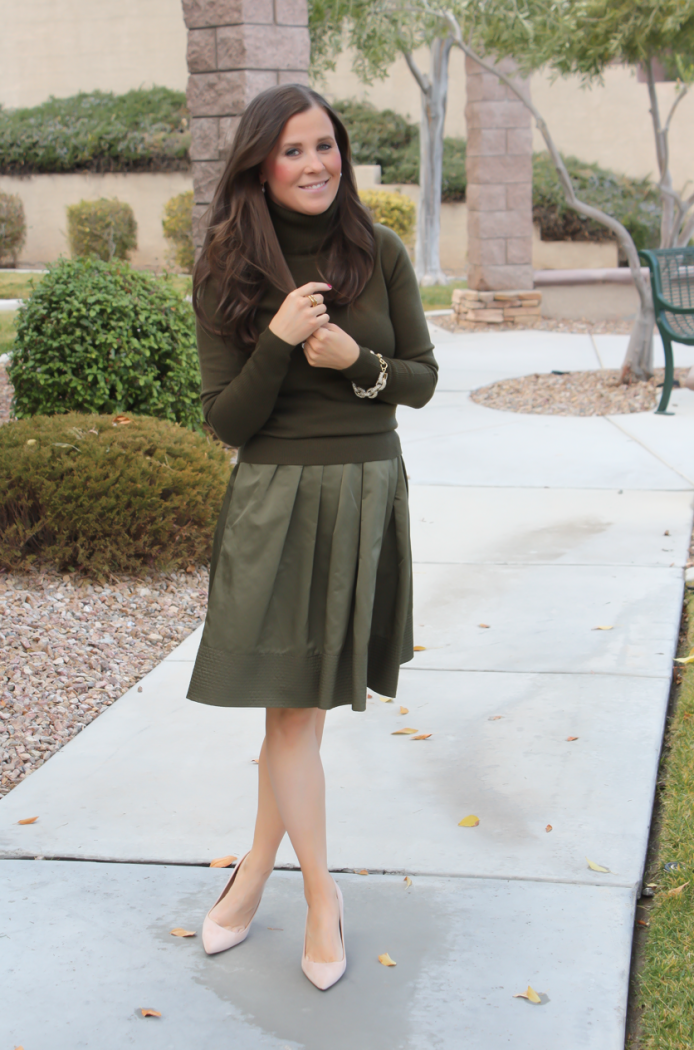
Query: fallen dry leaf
(369,696)
(602,628)
(421,736)
(597,867)
(572,738)
(28,820)
(406,711)
(684,660)
(222,862)
(363,872)
(531,995)
(404,732)
(642,922)
(31,441)
(548,828)
(686,715)
(495,718)
(385,960)
(677,890)
(483,625)
(143,1009)
(417,649)
(121,421)
(407,880)
(469,822)
(255,760)
(386,700)
(180,932)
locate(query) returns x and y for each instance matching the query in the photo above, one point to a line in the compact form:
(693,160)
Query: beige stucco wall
(60,47)
(45,198)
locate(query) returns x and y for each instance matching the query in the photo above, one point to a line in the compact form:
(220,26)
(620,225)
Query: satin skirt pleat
(310,587)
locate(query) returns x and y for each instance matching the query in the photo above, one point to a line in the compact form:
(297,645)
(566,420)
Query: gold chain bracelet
(380,382)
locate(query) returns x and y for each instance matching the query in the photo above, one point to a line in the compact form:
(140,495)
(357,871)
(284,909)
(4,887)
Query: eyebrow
(323,138)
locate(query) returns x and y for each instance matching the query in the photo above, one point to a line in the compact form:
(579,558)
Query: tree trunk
(434,91)
(638,363)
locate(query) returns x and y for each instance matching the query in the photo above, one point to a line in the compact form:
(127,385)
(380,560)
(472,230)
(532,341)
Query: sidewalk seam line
(643,445)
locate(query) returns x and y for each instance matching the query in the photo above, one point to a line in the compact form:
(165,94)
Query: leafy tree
(583,37)
(379,30)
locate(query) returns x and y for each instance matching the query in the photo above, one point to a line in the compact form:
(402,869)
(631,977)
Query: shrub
(78,492)
(102,337)
(104,228)
(386,138)
(634,202)
(13,228)
(178,228)
(394,210)
(142,130)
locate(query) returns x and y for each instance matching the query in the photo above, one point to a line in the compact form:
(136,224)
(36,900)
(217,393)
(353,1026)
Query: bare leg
(296,774)
(238,906)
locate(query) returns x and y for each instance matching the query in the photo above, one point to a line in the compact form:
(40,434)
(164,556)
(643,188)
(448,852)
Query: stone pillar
(499,183)
(236,49)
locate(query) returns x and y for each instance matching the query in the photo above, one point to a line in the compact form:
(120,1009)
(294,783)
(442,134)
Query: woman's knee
(290,724)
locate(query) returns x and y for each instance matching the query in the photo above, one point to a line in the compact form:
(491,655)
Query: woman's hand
(330,347)
(298,318)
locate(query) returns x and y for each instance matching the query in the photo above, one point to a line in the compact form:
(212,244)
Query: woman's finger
(312,287)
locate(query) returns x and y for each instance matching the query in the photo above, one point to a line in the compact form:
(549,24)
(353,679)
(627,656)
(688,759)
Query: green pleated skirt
(310,587)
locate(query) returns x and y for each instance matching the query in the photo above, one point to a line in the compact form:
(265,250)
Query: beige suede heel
(217,938)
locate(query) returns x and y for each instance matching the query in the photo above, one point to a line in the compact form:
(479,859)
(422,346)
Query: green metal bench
(672,283)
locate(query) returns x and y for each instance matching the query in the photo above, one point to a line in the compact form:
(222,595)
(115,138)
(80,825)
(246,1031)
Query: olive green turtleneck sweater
(277,408)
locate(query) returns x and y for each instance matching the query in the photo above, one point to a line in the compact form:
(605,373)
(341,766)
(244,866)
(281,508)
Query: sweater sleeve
(413,371)
(239,390)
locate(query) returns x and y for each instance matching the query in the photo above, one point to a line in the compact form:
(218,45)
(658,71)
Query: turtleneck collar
(297,233)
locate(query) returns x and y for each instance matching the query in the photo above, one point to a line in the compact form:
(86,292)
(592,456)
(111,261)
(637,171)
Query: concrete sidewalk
(542,528)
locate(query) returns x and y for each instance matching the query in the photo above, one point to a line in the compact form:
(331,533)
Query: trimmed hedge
(178,229)
(142,130)
(634,202)
(13,227)
(78,492)
(103,228)
(394,210)
(102,337)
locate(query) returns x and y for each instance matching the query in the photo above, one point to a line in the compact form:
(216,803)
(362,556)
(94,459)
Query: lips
(315,187)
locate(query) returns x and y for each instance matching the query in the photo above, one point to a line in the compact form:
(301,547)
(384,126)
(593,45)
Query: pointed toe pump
(217,938)
(325,975)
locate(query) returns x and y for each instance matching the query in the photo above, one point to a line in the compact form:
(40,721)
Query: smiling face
(303,171)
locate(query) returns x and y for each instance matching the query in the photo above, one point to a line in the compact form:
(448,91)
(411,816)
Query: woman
(310,332)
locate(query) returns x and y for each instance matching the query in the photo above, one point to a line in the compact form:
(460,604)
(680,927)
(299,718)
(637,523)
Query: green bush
(79,492)
(394,210)
(634,202)
(103,228)
(178,228)
(384,137)
(142,130)
(102,337)
(13,227)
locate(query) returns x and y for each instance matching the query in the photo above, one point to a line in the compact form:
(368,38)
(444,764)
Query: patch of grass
(439,295)
(7,330)
(664,986)
(17,285)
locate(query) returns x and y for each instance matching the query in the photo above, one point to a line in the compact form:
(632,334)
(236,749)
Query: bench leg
(661,410)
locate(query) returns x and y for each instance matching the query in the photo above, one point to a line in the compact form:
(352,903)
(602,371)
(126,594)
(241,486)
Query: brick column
(499,183)
(236,49)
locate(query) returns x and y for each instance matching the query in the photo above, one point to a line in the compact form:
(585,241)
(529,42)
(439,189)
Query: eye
(293,152)
(325,145)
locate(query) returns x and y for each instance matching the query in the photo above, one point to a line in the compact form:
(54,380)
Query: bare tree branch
(421,78)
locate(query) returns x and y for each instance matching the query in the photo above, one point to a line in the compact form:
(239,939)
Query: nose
(314,161)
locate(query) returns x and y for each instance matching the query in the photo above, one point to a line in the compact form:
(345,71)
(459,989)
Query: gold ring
(312,299)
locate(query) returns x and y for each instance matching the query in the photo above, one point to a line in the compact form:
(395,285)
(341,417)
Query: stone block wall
(236,49)
(499,183)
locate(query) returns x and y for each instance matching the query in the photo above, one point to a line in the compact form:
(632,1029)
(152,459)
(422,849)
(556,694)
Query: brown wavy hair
(241,252)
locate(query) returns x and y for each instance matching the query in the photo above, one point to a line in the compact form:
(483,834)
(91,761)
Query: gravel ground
(70,647)
(597,393)
(545,324)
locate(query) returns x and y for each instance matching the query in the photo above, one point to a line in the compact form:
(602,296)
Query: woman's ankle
(319,889)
